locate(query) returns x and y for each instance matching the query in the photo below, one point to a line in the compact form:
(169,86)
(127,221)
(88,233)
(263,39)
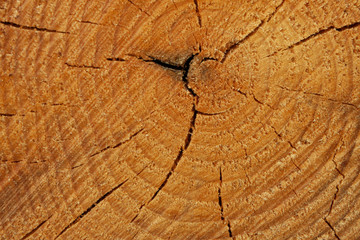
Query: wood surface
(163,119)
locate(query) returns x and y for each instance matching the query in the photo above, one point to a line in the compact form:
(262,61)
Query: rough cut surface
(171,119)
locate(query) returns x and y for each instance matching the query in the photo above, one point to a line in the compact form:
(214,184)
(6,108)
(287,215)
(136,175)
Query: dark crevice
(211,114)
(198,12)
(208,59)
(11,24)
(37,162)
(298,168)
(344,103)
(258,101)
(81,66)
(102,198)
(137,6)
(316,94)
(77,166)
(295,193)
(185,69)
(23,161)
(291,145)
(229,230)
(156,61)
(289,142)
(346,27)
(191,129)
(336,165)
(118,144)
(34,230)
(164,64)
(337,169)
(116,59)
(133,219)
(220,198)
(7,114)
(246,174)
(321,31)
(332,202)
(332,229)
(89,22)
(222,207)
(16,161)
(239,91)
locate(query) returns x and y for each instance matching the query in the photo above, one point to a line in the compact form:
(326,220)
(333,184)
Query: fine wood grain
(178,119)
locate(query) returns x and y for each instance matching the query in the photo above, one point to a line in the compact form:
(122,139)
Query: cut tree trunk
(175,119)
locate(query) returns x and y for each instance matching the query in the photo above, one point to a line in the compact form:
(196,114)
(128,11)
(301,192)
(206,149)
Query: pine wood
(168,119)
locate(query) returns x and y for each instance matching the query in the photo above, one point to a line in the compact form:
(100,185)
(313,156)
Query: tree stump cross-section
(180,119)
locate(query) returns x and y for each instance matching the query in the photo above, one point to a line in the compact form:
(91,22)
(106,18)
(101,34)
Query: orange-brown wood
(180,119)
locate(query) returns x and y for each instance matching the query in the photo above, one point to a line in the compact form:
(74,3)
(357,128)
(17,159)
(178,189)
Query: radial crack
(198,12)
(185,69)
(275,11)
(35,229)
(102,198)
(176,161)
(320,96)
(336,192)
(77,166)
(346,27)
(332,229)
(320,32)
(227,222)
(118,144)
(11,24)
(332,202)
(138,7)
(340,182)
(235,45)
(335,163)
